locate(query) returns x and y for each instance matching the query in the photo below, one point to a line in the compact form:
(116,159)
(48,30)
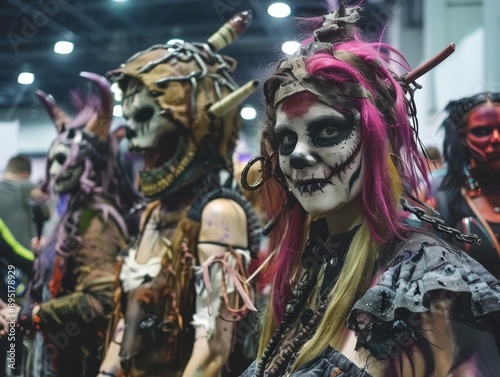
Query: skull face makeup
(319,154)
(166,146)
(482,131)
(170,91)
(79,155)
(144,116)
(65,170)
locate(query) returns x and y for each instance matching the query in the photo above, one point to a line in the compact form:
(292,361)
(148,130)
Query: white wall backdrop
(9,135)
(474,27)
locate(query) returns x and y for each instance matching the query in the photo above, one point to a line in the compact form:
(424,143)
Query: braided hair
(456,153)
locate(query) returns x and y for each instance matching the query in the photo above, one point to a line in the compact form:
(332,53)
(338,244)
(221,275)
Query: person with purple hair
(70,299)
(367,296)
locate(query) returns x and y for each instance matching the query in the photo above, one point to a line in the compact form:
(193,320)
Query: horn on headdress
(100,123)
(414,74)
(231,30)
(58,116)
(232,100)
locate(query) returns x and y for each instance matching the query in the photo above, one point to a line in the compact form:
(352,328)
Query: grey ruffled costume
(422,266)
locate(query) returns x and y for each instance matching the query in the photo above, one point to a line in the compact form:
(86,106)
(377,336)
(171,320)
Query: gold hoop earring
(244,175)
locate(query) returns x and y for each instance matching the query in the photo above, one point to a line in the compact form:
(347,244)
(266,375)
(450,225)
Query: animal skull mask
(168,93)
(80,149)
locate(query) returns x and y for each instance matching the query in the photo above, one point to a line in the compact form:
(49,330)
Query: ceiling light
(248,113)
(279,10)
(117,111)
(63,47)
(119,1)
(290,47)
(25,78)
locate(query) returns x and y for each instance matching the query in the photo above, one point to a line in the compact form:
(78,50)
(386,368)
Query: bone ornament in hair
(292,76)
(181,104)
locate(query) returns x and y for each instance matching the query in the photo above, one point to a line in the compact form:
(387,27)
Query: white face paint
(144,117)
(320,156)
(65,179)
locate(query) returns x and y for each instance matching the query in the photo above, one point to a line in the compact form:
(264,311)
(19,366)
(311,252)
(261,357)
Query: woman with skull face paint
(469,197)
(367,296)
(71,296)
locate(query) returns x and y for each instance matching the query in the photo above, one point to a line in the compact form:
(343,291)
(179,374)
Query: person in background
(14,258)
(70,297)
(469,197)
(16,192)
(20,199)
(356,292)
(12,253)
(182,284)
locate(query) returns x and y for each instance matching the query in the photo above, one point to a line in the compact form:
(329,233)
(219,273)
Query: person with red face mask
(469,197)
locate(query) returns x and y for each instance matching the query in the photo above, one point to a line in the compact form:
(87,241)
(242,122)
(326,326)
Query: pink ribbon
(235,277)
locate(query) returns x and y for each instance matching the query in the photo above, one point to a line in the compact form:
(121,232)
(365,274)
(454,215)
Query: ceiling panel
(106,33)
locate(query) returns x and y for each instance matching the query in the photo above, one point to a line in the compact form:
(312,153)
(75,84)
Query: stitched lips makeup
(313,184)
(319,156)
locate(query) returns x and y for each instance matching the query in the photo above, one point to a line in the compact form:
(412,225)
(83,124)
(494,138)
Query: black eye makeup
(287,141)
(329,131)
(60,158)
(481,131)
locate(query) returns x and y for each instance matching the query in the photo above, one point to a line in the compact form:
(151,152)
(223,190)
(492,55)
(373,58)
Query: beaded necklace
(316,253)
(482,181)
(294,306)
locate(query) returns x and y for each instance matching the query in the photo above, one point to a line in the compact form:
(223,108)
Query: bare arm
(210,355)
(40,196)
(111,362)
(223,221)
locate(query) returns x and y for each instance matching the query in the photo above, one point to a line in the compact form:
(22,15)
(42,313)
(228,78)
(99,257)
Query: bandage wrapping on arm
(209,286)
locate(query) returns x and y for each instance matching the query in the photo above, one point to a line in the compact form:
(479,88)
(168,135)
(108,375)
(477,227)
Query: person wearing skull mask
(71,295)
(469,196)
(367,296)
(198,233)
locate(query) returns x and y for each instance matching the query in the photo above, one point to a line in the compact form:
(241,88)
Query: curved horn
(232,100)
(101,122)
(58,116)
(231,30)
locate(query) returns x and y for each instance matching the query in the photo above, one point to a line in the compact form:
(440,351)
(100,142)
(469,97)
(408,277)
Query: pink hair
(385,133)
